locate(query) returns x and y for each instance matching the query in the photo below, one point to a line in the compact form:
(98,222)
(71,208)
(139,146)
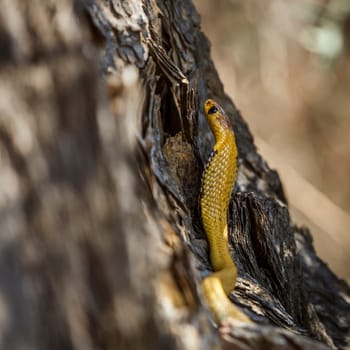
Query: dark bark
(102,144)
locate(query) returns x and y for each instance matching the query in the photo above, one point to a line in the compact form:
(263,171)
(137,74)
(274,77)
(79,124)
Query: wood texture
(102,144)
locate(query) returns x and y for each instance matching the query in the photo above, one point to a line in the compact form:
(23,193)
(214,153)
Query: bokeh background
(286,65)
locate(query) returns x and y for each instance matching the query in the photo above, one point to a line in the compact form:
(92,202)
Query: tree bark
(102,145)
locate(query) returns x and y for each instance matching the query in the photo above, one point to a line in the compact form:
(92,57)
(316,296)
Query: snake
(218,180)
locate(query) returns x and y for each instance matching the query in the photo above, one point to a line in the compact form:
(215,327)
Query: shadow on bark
(102,143)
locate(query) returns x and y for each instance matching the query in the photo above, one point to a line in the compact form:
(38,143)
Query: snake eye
(212,110)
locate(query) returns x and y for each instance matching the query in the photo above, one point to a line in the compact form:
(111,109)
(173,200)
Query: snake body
(218,181)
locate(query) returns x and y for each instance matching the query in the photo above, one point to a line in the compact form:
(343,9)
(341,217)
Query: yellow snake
(218,181)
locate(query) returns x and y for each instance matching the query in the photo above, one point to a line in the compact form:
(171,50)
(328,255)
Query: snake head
(211,108)
(217,118)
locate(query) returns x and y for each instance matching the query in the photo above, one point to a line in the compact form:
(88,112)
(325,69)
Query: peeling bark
(102,145)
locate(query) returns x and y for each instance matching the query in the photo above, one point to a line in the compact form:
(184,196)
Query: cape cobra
(218,181)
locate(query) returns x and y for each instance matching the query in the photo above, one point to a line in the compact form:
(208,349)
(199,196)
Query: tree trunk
(102,145)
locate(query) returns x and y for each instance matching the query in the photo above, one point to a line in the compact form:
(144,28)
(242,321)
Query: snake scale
(218,181)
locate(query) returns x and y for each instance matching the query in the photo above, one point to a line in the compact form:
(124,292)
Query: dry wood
(102,144)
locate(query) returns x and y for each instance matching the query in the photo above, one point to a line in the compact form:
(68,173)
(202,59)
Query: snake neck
(218,182)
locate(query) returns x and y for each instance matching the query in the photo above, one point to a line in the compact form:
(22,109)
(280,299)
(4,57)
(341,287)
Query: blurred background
(286,65)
